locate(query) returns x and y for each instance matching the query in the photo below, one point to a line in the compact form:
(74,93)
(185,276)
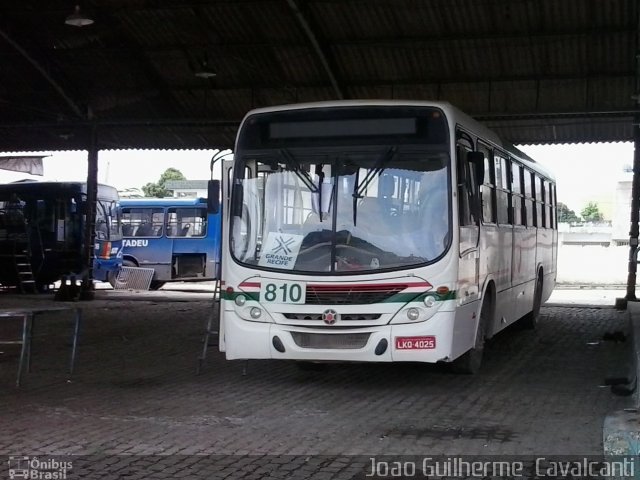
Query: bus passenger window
(467,189)
(502,190)
(516,197)
(186,222)
(142,222)
(488,189)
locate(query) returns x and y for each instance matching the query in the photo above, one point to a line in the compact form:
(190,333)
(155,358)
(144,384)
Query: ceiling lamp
(204,71)
(204,74)
(78,19)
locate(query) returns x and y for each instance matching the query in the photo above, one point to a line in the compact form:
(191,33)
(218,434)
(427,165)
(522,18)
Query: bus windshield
(341,211)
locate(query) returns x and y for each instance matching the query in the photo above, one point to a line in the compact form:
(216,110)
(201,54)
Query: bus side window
(517,201)
(488,188)
(467,189)
(186,222)
(503,205)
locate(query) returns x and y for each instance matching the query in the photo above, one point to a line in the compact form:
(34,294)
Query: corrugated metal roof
(537,71)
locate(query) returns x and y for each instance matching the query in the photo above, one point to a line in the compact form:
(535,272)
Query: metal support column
(635,213)
(635,185)
(87,290)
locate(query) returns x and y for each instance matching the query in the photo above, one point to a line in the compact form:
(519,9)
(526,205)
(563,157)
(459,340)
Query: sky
(121,168)
(583,172)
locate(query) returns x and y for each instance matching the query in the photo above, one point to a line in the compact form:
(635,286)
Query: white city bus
(380,231)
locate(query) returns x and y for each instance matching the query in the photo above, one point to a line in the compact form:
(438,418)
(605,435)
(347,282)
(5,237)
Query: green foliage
(591,213)
(566,215)
(158,189)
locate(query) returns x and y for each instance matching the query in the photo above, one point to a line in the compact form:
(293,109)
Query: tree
(158,189)
(566,215)
(591,213)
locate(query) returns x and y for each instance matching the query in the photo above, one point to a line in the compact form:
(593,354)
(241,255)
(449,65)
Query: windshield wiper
(360,188)
(302,174)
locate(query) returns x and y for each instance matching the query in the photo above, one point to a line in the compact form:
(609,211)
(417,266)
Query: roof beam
(424,40)
(420,42)
(73,105)
(317,47)
(232,123)
(409,82)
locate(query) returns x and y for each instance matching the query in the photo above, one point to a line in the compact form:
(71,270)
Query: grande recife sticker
(280,250)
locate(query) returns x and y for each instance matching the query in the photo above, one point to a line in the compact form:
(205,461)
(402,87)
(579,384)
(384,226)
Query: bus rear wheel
(470,362)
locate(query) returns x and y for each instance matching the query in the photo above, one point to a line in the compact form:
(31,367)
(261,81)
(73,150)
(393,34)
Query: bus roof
(454,115)
(26,187)
(163,202)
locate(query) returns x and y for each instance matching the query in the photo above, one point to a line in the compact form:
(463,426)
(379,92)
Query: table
(28,316)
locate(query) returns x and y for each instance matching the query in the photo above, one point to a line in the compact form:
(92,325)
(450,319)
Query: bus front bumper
(428,341)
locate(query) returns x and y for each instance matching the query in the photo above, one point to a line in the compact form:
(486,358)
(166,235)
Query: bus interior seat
(127,230)
(171,231)
(145,230)
(185,230)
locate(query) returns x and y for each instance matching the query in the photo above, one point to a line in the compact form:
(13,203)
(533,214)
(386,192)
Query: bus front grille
(344,316)
(337,341)
(350,295)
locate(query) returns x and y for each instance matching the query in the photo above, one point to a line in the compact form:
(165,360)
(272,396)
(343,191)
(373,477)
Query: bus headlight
(240,300)
(255,313)
(429,301)
(413,314)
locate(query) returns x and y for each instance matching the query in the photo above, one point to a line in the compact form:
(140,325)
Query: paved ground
(136,394)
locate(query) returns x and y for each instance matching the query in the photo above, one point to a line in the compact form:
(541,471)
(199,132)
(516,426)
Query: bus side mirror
(477,160)
(213,196)
(237,198)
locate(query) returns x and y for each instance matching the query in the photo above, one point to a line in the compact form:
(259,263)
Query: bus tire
(155,285)
(530,320)
(469,363)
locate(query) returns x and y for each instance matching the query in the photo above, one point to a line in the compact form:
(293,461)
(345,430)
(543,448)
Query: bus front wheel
(155,285)
(470,362)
